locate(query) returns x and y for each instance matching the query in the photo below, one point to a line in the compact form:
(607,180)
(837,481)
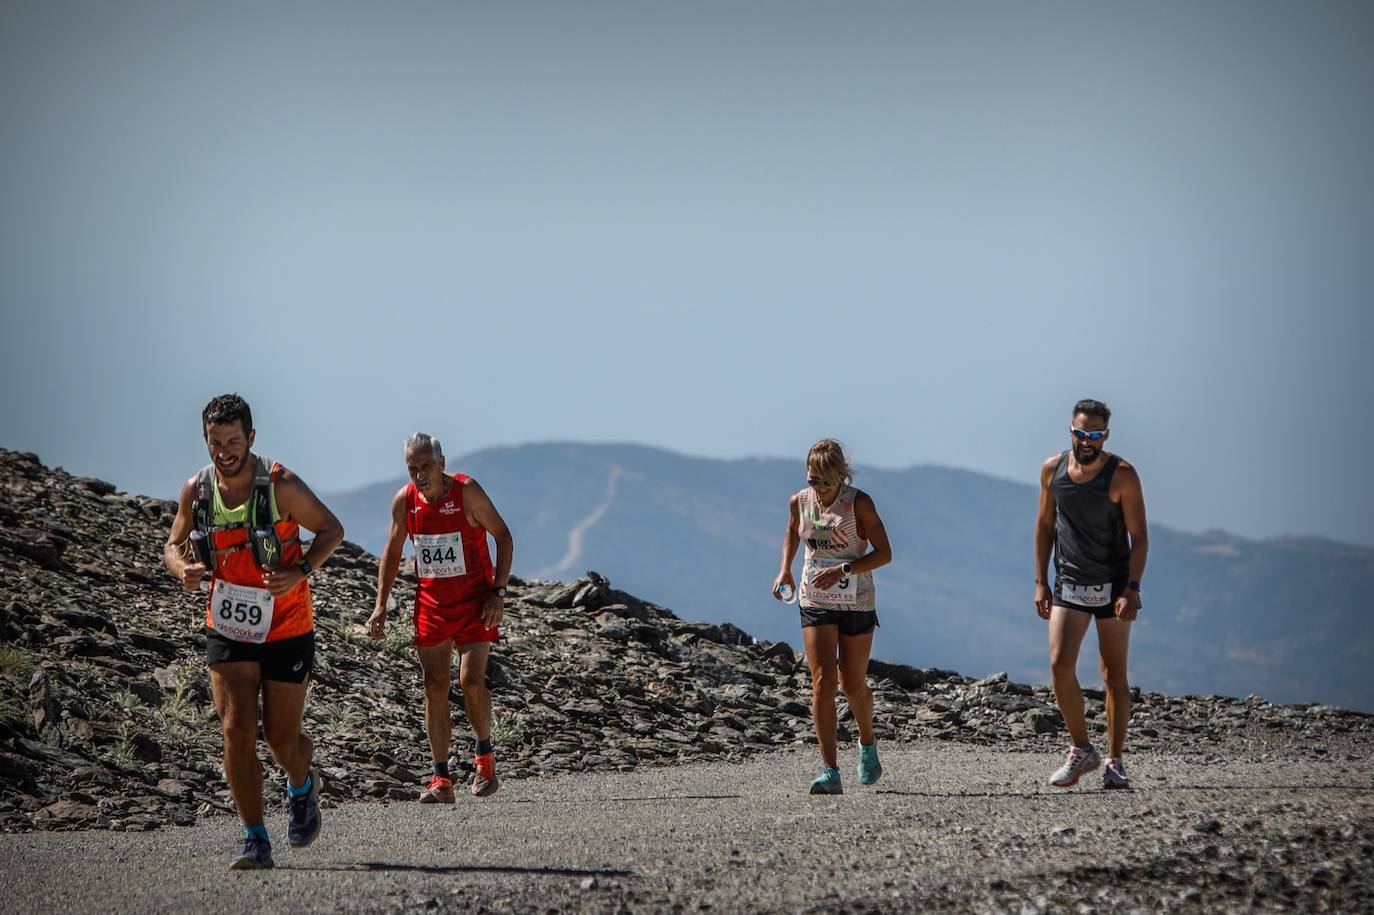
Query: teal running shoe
(828,782)
(870,770)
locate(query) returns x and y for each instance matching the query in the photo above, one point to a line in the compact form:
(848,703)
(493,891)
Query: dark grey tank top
(1090,542)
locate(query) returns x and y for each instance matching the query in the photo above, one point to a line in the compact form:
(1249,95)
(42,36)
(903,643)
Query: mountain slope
(1222,614)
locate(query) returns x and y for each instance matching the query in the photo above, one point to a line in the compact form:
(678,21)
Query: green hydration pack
(262,532)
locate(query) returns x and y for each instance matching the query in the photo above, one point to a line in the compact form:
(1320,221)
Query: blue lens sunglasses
(1081,435)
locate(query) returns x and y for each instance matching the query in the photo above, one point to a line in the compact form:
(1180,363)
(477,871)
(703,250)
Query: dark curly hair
(1092,408)
(226,409)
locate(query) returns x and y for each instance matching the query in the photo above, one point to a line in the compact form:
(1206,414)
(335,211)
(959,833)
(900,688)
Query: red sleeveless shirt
(452,560)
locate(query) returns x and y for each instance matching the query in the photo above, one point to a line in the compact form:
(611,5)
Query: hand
(191,574)
(827,578)
(785,578)
(493,608)
(282,579)
(1127,606)
(376,624)
(1043,600)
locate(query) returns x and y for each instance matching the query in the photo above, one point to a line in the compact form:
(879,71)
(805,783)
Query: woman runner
(838,612)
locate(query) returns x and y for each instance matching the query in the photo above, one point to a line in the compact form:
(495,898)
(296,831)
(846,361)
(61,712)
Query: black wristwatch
(305,567)
(499,591)
(846,568)
(1133,585)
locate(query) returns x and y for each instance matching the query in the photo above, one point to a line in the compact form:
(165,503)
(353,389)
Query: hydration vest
(239,551)
(263,539)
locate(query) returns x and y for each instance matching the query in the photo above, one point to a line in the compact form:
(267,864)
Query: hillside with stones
(105,718)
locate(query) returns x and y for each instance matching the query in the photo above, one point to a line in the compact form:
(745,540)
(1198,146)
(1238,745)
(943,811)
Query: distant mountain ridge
(1282,617)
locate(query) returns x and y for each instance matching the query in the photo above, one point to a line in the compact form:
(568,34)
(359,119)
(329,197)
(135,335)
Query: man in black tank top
(1092,513)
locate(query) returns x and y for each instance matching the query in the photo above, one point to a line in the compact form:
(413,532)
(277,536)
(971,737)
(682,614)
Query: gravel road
(949,828)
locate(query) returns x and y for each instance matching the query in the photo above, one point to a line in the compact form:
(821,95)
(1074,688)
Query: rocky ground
(105,719)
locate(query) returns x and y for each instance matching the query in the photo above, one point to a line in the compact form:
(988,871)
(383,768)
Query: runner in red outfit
(459,600)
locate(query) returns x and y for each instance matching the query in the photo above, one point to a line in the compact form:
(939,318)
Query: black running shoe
(256,854)
(303,814)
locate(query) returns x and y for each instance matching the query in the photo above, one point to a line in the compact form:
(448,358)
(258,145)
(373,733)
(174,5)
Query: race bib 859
(241,612)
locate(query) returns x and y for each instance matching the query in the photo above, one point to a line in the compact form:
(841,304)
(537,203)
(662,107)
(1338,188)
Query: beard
(1086,454)
(232,468)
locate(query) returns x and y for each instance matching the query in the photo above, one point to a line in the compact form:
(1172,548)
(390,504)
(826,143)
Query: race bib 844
(439,555)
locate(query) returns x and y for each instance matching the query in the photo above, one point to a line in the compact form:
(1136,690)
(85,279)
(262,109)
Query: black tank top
(1090,542)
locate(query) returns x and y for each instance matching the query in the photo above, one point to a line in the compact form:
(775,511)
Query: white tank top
(831,535)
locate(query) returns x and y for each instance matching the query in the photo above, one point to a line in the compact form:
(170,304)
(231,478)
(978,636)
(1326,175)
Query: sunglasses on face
(817,482)
(1081,435)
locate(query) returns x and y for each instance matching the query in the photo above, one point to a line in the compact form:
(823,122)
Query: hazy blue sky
(725,228)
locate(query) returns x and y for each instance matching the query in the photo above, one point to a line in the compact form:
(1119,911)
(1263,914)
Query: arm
(1132,499)
(188,571)
(481,512)
(881,553)
(790,541)
(1044,539)
(389,564)
(296,502)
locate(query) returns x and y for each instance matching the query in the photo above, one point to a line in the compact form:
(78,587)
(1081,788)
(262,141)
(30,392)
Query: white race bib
(439,555)
(241,612)
(843,594)
(1085,595)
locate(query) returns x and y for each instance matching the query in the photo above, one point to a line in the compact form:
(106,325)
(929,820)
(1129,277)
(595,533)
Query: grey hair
(419,441)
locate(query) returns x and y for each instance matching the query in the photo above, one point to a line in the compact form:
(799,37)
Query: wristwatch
(1133,585)
(846,568)
(305,567)
(499,591)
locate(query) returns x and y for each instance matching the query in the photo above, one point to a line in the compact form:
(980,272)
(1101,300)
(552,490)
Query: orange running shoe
(438,790)
(484,783)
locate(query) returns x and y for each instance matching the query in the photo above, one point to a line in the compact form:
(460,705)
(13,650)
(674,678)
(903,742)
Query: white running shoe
(1114,775)
(1080,761)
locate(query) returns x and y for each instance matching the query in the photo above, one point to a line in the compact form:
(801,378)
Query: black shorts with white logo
(851,622)
(1103,613)
(285,660)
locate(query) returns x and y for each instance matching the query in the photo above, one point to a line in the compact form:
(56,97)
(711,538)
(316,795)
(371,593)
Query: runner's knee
(855,684)
(1063,667)
(825,679)
(1114,676)
(474,680)
(281,735)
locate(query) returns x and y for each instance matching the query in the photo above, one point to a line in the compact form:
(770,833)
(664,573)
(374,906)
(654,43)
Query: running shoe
(484,782)
(438,790)
(870,770)
(256,854)
(828,782)
(1080,761)
(303,814)
(1114,775)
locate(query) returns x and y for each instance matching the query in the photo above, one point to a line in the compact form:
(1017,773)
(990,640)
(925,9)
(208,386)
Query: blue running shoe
(303,814)
(870,770)
(828,782)
(256,854)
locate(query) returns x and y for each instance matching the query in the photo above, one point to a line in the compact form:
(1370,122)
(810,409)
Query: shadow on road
(1156,789)
(384,866)
(628,800)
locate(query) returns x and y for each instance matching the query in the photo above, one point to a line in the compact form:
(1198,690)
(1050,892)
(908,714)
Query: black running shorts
(285,660)
(851,622)
(1103,613)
